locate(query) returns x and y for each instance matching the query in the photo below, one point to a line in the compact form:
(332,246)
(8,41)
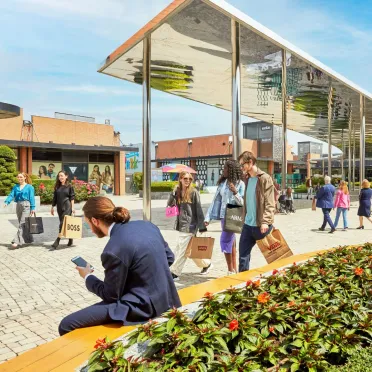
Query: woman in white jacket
(230,190)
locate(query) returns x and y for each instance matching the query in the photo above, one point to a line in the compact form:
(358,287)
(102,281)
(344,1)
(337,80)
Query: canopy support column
(284,119)
(362,148)
(146,128)
(330,97)
(354,145)
(236,87)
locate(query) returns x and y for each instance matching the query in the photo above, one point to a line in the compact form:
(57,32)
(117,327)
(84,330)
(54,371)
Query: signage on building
(266,127)
(266,140)
(213,163)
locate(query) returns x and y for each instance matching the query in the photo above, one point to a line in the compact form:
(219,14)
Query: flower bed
(308,317)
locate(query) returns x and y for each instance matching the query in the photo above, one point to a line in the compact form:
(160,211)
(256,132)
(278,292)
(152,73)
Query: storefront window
(78,171)
(102,175)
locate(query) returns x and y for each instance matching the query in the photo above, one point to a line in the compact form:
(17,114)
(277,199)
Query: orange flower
(294,264)
(271,329)
(292,303)
(101,344)
(263,298)
(344,260)
(256,284)
(358,271)
(234,324)
(359,249)
(208,295)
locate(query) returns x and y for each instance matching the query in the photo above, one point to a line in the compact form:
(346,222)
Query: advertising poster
(102,175)
(132,162)
(46,170)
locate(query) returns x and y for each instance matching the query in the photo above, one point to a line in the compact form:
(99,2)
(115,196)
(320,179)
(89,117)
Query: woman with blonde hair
(364,209)
(23,194)
(342,203)
(189,221)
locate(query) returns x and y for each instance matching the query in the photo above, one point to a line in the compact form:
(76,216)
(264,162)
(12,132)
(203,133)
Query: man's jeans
(344,215)
(248,238)
(327,218)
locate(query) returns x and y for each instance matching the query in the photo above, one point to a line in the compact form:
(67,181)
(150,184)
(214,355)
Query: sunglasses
(187,179)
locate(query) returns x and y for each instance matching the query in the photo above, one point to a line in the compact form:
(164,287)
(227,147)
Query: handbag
(34,225)
(171,211)
(233,221)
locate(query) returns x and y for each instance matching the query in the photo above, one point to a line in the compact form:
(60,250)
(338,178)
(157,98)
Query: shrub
(138,180)
(360,361)
(8,171)
(302,318)
(84,190)
(164,186)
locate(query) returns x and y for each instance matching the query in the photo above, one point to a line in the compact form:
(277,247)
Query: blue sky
(50,51)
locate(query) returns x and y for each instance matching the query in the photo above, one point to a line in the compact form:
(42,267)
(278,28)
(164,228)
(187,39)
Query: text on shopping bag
(72,227)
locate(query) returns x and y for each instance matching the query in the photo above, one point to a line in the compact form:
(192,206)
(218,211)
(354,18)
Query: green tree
(8,171)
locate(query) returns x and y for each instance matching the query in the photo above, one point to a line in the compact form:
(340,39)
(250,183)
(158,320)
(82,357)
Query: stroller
(281,201)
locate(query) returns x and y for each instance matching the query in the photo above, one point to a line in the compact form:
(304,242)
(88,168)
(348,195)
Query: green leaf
(297,343)
(221,341)
(295,367)
(335,349)
(109,354)
(170,324)
(279,328)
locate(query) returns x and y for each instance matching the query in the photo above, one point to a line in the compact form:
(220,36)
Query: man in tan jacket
(259,207)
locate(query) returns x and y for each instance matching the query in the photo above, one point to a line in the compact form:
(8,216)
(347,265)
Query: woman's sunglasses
(187,179)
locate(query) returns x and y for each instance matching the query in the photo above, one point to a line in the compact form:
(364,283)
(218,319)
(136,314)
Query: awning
(191,58)
(8,111)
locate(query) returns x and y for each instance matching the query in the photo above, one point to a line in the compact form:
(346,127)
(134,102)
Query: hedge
(165,186)
(8,171)
(360,361)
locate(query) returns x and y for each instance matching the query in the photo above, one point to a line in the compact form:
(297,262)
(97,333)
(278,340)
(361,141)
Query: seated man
(138,284)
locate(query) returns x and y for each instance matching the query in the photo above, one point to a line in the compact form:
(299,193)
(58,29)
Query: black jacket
(138,283)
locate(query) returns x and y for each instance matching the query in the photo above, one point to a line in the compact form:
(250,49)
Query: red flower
(294,264)
(271,329)
(358,271)
(101,344)
(234,324)
(275,272)
(208,295)
(263,298)
(249,283)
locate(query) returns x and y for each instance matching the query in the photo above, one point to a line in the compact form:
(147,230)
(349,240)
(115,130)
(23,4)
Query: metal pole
(362,139)
(236,87)
(146,128)
(323,165)
(330,95)
(349,148)
(342,156)
(284,119)
(354,145)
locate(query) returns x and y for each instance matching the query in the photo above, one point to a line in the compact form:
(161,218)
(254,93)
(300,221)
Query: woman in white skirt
(189,221)
(24,195)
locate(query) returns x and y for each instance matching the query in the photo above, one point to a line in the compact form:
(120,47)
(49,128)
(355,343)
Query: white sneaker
(231,273)
(205,270)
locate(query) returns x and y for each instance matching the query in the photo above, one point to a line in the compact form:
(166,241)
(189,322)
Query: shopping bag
(274,247)
(34,225)
(233,221)
(313,205)
(171,212)
(200,247)
(72,227)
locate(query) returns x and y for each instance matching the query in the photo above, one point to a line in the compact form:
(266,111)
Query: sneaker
(175,277)
(231,273)
(14,246)
(321,229)
(332,231)
(205,270)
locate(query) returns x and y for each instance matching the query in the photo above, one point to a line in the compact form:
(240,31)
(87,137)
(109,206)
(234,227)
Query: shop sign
(213,163)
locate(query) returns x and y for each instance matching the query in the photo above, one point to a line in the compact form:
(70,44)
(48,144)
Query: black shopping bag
(35,225)
(233,221)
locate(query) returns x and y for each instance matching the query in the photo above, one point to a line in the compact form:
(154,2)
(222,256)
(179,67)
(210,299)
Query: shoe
(345,228)
(205,270)
(70,243)
(332,231)
(360,228)
(56,243)
(175,277)
(231,273)
(14,246)
(321,229)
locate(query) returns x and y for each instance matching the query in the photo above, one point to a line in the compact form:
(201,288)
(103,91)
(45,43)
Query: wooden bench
(66,353)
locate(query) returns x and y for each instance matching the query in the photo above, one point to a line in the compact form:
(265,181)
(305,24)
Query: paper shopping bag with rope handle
(72,227)
(274,247)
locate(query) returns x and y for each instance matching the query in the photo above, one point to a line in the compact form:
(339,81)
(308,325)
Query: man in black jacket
(138,284)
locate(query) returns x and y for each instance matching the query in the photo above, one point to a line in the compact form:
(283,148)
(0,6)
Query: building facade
(87,151)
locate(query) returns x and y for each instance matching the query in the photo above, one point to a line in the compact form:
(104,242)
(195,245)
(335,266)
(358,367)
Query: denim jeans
(248,238)
(327,218)
(344,216)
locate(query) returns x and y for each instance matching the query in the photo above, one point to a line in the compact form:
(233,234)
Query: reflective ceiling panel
(261,77)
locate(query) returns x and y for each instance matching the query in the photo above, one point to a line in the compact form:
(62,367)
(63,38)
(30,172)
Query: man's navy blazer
(138,284)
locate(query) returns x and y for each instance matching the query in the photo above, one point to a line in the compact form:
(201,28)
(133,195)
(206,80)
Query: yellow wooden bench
(66,353)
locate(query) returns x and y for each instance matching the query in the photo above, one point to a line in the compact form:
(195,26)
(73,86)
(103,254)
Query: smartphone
(78,261)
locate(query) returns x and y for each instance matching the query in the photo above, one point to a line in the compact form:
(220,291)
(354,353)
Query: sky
(50,51)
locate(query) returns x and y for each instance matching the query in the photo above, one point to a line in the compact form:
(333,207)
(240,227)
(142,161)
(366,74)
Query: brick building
(75,144)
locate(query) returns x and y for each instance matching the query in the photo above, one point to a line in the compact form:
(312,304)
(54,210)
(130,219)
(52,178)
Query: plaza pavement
(38,286)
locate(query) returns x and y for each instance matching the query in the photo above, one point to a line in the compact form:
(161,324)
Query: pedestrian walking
(24,195)
(64,199)
(364,209)
(259,207)
(289,201)
(137,283)
(324,200)
(342,204)
(230,190)
(309,187)
(189,221)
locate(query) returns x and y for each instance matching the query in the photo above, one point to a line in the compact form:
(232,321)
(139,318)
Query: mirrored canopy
(191,57)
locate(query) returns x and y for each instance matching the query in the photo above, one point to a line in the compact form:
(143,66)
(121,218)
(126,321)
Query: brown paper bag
(313,206)
(200,247)
(274,247)
(72,227)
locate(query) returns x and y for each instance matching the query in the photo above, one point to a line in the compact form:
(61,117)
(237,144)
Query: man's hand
(206,223)
(32,213)
(233,188)
(264,228)
(84,271)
